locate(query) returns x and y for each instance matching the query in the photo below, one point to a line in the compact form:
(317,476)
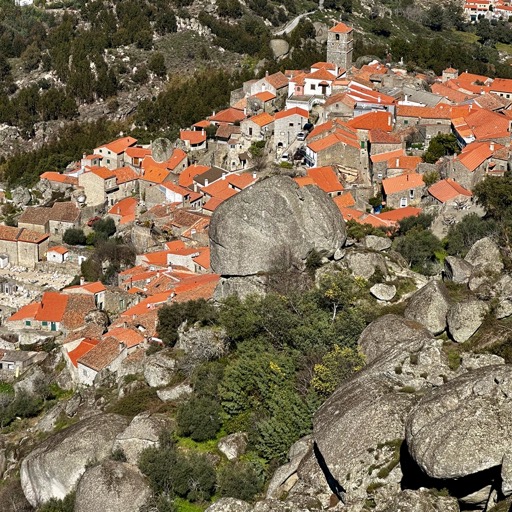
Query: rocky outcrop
(234,445)
(429,307)
(161,149)
(175,393)
(388,332)
(202,344)
(465,318)
(273,221)
(159,369)
(143,432)
(385,292)
(55,466)
(242,286)
(457,270)
(365,264)
(377,243)
(464,428)
(112,487)
(280,47)
(422,500)
(485,255)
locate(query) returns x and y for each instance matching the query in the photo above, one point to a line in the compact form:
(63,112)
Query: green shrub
(55,505)
(136,402)
(199,418)
(74,236)
(239,480)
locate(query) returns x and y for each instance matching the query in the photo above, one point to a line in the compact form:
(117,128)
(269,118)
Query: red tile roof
(101,355)
(103,172)
(13,234)
(58,249)
(292,111)
(193,136)
(403,182)
(59,178)
(130,337)
(137,152)
(125,174)
(346,200)
(186,177)
(203,259)
(26,312)
(277,80)
(373,120)
(448,189)
(384,157)
(229,115)
(120,145)
(262,119)
(326,179)
(400,213)
(264,96)
(126,206)
(52,307)
(341,28)
(82,349)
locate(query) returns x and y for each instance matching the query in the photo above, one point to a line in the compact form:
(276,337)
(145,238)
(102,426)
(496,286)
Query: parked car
(301,136)
(284,157)
(90,222)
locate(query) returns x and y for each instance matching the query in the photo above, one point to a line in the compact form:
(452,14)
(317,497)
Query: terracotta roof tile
(59,178)
(325,178)
(130,337)
(264,96)
(101,355)
(58,249)
(204,258)
(26,312)
(400,213)
(186,177)
(405,181)
(137,152)
(346,200)
(125,174)
(193,136)
(77,307)
(119,146)
(277,80)
(448,189)
(372,120)
(229,115)
(378,136)
(341,28)
(126,206)
(292,111)
(52,307)
(262,119)
(82,349)
(103,172)
(384,157)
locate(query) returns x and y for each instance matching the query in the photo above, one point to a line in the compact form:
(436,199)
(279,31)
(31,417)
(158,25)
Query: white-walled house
(57,254)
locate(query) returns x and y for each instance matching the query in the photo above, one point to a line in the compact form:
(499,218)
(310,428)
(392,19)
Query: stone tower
(340,44)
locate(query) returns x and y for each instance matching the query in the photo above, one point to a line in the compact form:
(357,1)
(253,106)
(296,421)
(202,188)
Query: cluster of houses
(356,132)
(489,9)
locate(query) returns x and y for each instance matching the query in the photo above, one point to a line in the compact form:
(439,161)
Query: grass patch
(63,422)
(502,506)
(453,354)
(185,506)
(6,388)
(457,292)
(200,447)
(502,47)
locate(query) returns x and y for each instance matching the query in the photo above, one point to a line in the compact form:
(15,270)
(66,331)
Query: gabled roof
(126,206)
(119,146)
(384,157)
(137,152)
(378,136)
(94,287)
(186,177)
(277,80)
(58,249)
(102,172)
(325,178)
(155,175)
(448,189)
(400,213)
(203,259)
(292,111)
(52,307)
(346,200)
(130,337)
(334,138)
(475,154)
(12,234)
(321,74)
(404,162)
(405,181)
(82,349)
(373,120)
(27,312)
(262,119)
(193,136)
(59,178)
(101,355)
(264,96)
(125,174)
(229,115)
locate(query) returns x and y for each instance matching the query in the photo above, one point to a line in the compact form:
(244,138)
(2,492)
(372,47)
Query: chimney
(398,163)
(83,156)
(407,176)
(406,96)
(206,182)
(379,99)
(266,72)
(389,120)
(202,132)
(223,176)
(491,146)
(254,175)
(82,281)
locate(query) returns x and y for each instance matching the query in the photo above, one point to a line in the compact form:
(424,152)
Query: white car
(284,157)
(301,136)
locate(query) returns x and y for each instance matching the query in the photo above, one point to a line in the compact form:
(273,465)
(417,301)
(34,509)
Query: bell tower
(340,43)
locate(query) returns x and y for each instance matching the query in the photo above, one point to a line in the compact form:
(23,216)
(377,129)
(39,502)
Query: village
(357,134)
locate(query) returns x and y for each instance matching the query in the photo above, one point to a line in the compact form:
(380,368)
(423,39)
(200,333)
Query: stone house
(23,246)
(123,212)
(404,190)
(287,125)
(135,155)
(261,102)
(194,139)
(380,141)
(450,192)
(14,362)
(58,181)
(258,127)
(96,290)
(431,121)
(168,192)
(113,152)
(341,147)
(54,221)
(339,105)
(276,83)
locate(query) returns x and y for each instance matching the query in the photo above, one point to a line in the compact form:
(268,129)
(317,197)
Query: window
(44,324)
(250,131)
(379,176)
(411,193)
(108,160)
(403,202)
(290,125)
(28,323)
(406,122)
(313,87)
(337,37)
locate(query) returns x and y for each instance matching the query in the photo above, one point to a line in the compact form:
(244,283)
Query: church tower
(340,44)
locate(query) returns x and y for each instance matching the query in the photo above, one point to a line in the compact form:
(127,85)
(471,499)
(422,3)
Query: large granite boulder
(365,264)
(457,269)
(464,428)
(384,292)
(485,254)
(429,306)
(233,445)
(389,331)
(160,369)
(143,432)
(377,243)
(112,487)
(273,222)
(465,318)
(55,466)
(229,505)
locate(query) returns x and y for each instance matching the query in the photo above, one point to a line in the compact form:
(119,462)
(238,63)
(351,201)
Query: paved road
(292,24)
